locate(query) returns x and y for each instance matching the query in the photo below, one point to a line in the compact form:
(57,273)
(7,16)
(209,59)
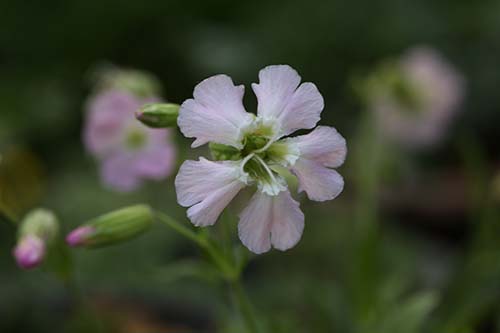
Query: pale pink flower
(435,89)
(253,148)
(128,151)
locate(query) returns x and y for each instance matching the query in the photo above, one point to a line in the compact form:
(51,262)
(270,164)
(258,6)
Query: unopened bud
(159,115)
(29,251)
(36,231)
(111,228)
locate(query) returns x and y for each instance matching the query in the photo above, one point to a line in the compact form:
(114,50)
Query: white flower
(251,147)
(417,97)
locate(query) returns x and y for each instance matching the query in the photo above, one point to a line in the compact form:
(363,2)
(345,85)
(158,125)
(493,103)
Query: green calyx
(119,225)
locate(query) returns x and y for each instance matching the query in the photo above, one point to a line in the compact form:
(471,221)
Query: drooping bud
(159,115)
(112,228)
(38,229)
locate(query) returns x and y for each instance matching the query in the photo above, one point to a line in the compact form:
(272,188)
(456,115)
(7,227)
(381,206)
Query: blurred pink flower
(428,95)
(128,151)
(253,147)
(29,251)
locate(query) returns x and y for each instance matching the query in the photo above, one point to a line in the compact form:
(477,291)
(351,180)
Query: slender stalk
(214,254)
(244,306)
(229,269)
(179,228)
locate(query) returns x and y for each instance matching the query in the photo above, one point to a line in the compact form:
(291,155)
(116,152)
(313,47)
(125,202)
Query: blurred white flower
(416,97)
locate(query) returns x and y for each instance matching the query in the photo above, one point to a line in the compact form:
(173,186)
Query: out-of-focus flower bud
(38,229)
(158,115)
(140,83)
(29,252)
(112,228)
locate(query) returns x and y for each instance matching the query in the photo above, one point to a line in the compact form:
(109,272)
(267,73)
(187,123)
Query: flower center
(135,139)
(406,93)
(259,154)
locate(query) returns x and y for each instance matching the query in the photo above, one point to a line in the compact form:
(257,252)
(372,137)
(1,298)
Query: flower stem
(244,306)
(213,252)
(179,228)
(229,269)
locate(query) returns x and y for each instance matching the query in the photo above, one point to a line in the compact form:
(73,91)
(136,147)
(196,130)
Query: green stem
(213,252)
(229,269)
(179,228)
(244,306)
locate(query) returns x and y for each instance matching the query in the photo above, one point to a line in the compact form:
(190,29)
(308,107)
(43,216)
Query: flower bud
(111,228)
(38,229)
(29,251)
(159,115)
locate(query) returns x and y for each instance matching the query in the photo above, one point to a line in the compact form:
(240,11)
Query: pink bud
(78,236)
(29,251)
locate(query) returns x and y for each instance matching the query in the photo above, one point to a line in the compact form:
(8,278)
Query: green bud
(113,227)
(41,223)
(159,115)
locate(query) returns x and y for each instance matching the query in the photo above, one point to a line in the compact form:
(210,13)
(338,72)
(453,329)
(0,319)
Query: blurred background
(414,248)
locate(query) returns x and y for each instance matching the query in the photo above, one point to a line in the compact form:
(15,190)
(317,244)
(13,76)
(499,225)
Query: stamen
(263,149)
(258,158)
(245,160)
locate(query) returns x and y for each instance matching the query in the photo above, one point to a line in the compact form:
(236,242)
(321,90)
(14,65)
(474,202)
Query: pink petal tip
(78,236)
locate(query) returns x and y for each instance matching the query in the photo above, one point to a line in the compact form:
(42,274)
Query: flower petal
(319,182)
(108,113)
(280,97)
(267,220)
(207,212)
(156,162)
(198,180)
(119,173)
(323,145)
(254,228)
(276,86)
(288,222)
(216,114)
